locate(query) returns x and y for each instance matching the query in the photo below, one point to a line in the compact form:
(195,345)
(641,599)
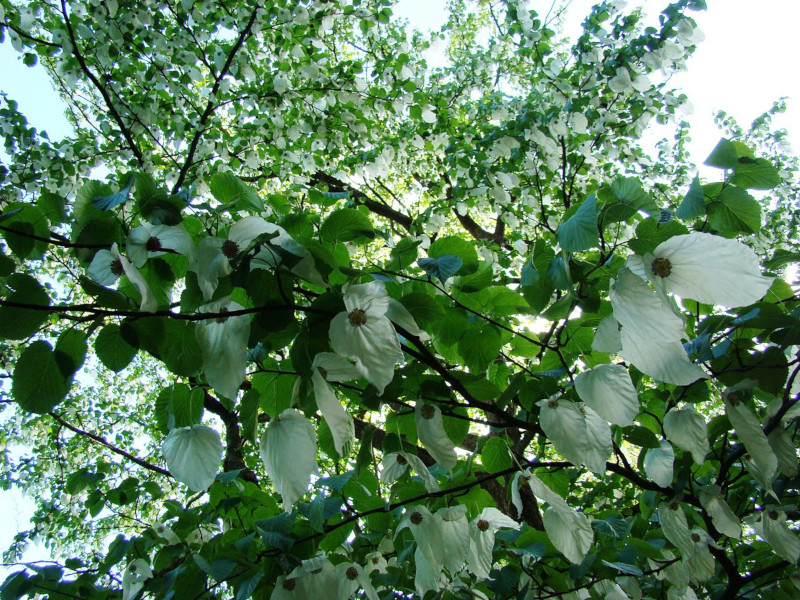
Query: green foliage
(319,291)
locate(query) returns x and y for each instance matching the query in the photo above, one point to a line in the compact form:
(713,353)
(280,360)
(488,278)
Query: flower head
(148,241)
(109,265)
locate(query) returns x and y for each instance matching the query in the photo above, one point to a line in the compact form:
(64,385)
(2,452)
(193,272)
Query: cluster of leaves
(391,325)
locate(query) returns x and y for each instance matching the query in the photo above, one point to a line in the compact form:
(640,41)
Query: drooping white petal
(429,555)
(455,535)
(663,361)
(134,577)
(680,593)
(520,478)
(609,391)
(416,464)
(710,269)
(752,435)
(398,314)
(209,264)
(336,367)
(725,521)
(340,423)
(288,449)
(772,528)
(569,531)
(687,429)
(373,345)
(393,465)
(370,297)
(675,527)
(782,445)
(223,342)
(100,268)
(193,455)
(658,464)
(481,539)
(243,232)
(699,561)
(167,237)
(578,433)
(606,338)
(641,312)
(430,431)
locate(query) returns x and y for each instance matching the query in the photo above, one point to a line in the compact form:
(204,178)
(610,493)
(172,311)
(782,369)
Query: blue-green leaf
(443,268)
(579,232)
(112,200)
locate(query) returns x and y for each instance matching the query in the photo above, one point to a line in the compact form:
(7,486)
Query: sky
(745,63)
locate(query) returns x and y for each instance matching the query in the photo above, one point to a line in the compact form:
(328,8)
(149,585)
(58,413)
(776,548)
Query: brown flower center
(289,584)
(351,573)
(483,525)
(401,460)
(773,514)
(416,518)
(695,537)
(132,568)
(153,244)
(357,318)
(552,404)
(230,248)
(375,560)
(428,411)
(222,319)
(661,267)
(674,506)
(116,268)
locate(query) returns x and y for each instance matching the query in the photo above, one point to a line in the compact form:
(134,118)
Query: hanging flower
(223,342)
(430,554)
(326,367)
(394,464)
(578,433)
(133,579)
(708,268)
(289,451)
(148,241)
(481,539)
(430,431)
(109,265)
(687,429)
(609,391)
(193,455)
(364,333)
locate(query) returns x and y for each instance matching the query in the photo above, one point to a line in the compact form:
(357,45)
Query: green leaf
(723,156)
(479,346)
(640,436)
(734,211)
(7,264)
(70,352)
(443,268)
(694,202)
(623,199)
(456,246)
(495,455)
(248,414)
(113,349)
(346,225)
(650,233)
(579,232)
(755,174)
(230,190)
(29,221)
(426,311)
(179,406)
(18,323)
(782,258)
(39,383)
(404,254)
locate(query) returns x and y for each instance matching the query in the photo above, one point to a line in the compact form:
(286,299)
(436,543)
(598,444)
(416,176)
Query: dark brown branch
(233,460)
(379,208)
(210,106)
(54,241)
(99,440)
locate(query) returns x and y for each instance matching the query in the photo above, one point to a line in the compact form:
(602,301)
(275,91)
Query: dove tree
(314,304)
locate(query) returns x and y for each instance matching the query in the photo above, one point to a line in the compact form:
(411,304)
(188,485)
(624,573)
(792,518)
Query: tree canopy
(313,304)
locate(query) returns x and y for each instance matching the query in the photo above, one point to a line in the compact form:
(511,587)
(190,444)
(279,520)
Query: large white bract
(108,265)
(326,367)
(193,455)
(710,269)
(365,334)
(149,241)
(223,342)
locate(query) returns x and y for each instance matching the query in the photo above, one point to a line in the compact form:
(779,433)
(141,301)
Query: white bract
(578,433)
(223,342)
(710,269)
(364,333)
(725,521)
(570,531)
(687,429)
(749,430)
(430,554)
(771,526)
(134,577)
(394,464)
(430,431)
(193,455)
(289,450)
(609,391)
(109,265)
(658,464)
(481,539)
(456,532)
(675,527)
(148,241)
(328,366)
